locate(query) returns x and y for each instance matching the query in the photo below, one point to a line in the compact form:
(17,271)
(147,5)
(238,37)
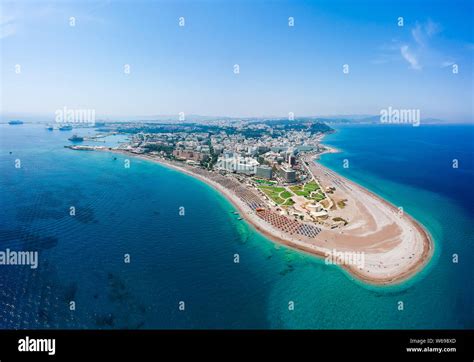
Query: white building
(238,164)
(316,207)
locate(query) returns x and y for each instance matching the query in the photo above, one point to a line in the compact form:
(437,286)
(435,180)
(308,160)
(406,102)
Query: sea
(124,243)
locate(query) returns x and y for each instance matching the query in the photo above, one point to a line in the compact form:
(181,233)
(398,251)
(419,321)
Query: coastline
(314,248)
(428,246)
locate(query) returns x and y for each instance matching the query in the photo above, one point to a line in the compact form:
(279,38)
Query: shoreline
(428,247)
(314,249)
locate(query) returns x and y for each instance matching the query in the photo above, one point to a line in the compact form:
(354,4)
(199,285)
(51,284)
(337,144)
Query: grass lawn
(279,195)
(265,182)
(298,190)
(311,186)
(318,196)
(310,190)
(273,188)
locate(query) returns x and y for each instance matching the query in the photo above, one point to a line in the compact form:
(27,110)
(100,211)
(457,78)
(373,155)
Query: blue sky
(283,69)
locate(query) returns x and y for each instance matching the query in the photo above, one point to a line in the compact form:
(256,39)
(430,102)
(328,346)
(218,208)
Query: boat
(15,122)
(65,128)
(50,128)
(80,148)
(76,138)
(239,218)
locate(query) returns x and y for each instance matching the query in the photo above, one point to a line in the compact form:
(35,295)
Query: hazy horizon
(50,118)
(127,59)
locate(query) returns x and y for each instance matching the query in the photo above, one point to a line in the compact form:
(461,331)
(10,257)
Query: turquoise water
(190,258)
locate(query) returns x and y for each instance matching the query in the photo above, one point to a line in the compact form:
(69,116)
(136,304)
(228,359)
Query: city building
(314,208)
(264,171)
(189,155)
(291,159)
(306,148)
(237,164)
(288,174)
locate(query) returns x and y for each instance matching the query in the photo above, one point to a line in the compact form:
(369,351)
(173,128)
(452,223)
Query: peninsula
(271,174)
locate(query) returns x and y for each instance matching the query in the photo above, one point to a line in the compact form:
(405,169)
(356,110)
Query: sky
(409,63)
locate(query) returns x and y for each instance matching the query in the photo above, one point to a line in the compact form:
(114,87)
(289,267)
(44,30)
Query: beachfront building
(264,171)
(288,174)
(315,207)
(306,148)
(238,164)
(189,155)
(316,210)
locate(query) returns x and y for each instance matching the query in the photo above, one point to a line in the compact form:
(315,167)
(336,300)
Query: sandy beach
(395,246)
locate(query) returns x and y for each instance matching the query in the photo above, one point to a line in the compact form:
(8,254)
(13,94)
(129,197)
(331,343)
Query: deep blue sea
(190,258)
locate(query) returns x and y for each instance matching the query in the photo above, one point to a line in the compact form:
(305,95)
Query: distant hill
(369,120)
(196,118)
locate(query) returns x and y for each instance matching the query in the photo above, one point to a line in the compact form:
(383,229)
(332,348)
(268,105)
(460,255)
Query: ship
(76,138)
(14,122)
(65,128)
